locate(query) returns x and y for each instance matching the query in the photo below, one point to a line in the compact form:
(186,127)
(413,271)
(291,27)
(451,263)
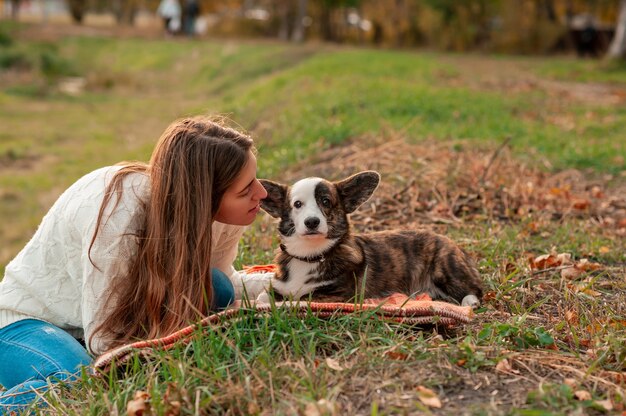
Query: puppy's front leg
(471,300)
(263,297)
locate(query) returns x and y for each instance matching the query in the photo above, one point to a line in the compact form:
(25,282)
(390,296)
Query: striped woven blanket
(419,310)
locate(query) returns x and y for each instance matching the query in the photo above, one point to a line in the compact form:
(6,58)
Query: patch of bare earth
(461,187)
(513,77)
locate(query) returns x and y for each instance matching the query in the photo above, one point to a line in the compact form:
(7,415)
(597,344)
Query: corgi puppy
(321,258)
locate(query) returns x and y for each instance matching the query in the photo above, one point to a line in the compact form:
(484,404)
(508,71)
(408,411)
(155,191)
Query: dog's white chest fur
(302,279)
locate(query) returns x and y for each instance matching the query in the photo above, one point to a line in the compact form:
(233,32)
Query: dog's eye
(326,202)
(297,204)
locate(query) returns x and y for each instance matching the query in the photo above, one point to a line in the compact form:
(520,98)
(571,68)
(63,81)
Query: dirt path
(517,76)
(146,27)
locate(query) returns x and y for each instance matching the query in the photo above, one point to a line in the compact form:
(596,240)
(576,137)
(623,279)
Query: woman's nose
(261,192)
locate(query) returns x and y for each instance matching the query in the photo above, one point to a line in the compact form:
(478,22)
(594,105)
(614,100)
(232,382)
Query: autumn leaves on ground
(521,161)
(554,315)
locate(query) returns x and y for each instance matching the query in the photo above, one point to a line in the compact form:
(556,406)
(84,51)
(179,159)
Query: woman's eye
(326,202)
(297,204)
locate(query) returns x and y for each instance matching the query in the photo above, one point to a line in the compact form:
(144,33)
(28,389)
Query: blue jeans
(223,290)
(34,353)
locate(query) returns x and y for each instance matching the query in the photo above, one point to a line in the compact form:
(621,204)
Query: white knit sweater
(52,278)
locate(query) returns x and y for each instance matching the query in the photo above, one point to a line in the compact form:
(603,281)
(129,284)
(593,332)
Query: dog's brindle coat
(320,257)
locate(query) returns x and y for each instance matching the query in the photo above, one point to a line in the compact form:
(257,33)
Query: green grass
(297,101)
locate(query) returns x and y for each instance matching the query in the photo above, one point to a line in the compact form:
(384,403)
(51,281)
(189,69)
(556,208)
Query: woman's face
(240,203)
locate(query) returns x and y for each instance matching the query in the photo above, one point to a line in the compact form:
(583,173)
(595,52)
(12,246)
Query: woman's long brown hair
(168,284)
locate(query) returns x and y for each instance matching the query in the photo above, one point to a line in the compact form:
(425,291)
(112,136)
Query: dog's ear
(276,194)
(357,189)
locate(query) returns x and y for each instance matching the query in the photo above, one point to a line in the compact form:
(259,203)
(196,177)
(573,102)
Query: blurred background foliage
(502,26)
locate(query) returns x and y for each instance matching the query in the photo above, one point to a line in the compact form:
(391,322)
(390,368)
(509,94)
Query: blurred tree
(617,50)
(527,26)
(550,11)
(15,9)
(465,24)
(398,25)
(331,17)
(77,10)
(298,32)
(284,11)
(125,11)
(291,15)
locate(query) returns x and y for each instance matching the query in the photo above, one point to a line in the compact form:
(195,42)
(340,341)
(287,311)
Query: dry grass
(456,183)
(544,338)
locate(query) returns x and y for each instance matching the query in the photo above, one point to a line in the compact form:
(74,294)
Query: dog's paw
(263,297)
(470,300)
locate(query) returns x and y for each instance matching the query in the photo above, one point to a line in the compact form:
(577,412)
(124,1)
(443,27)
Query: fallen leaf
(581,204)
(312,410)
(253,408)
(137,406)
(333,364)
(489,296)
(580,267)
(604,250)
(587,266)
(582,395)
(605,404)
(570,382)
(571,317)
(395,355)
(545,261)
(571,273)
(591,293)
(533,227)
(596,192)
(559,192)
(320,408)
(172,399)
(564,258)
(428,397)
(504,366)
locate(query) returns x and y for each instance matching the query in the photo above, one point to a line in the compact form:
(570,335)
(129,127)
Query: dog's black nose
(312,223)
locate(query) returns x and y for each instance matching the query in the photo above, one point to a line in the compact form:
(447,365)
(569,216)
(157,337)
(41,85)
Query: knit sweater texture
(56,279)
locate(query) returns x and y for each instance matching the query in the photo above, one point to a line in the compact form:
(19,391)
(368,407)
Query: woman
(129,252)
(170,12)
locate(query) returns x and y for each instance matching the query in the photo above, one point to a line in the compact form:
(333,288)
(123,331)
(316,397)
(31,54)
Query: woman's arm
(225,252)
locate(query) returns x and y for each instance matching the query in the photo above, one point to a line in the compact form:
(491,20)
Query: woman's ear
(276,195)
(357,189)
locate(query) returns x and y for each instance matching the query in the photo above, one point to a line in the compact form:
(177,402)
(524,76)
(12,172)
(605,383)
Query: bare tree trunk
(283,13)
(77,10)
(15,9)
(298,27)
(548,6)
(617,49)
(396,17)
(569,13)
(125,11)
(326,23)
